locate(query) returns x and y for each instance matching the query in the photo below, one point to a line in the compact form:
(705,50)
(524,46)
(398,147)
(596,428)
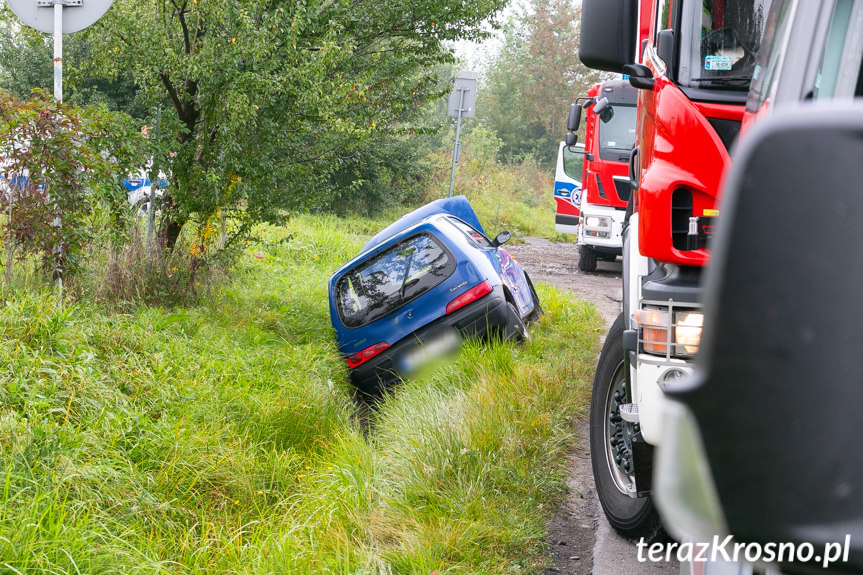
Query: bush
(130,274)
(63,166)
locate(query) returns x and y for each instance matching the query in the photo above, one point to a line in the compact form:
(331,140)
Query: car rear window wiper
(412,251)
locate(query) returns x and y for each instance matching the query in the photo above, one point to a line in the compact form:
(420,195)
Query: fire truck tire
(586,259)
(610,453)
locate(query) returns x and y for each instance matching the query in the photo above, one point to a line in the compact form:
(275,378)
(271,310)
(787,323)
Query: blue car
(419,286)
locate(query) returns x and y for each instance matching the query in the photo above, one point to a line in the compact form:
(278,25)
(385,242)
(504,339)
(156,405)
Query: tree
(262,99)
(537,74)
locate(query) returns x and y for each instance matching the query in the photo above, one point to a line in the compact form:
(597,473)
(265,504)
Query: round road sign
(77,14)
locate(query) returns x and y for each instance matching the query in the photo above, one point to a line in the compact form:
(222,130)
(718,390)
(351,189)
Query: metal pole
(58,95)
(151,206)
(9,240)
(151,220)
(58,52)
(455,148)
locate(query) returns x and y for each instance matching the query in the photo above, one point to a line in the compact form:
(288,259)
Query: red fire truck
(806,154)
(692,62)
(609,136)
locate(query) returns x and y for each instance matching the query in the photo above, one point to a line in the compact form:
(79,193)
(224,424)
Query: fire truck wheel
(611,445)
(586,259)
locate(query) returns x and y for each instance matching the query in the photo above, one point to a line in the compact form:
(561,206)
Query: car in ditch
(421,285)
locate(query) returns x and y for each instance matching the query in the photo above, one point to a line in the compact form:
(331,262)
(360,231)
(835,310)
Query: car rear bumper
(486,316)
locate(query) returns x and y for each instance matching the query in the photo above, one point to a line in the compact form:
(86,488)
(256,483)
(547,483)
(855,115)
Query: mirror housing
(609,32)
(501,239)
(665,47)
(640,76)
(571,139)
(604,109)
(776,398)
(574,120)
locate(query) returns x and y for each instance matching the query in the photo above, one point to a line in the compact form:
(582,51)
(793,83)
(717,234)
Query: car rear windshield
(386,282)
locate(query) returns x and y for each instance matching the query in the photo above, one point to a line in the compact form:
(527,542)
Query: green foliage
(63,166)
(27,58)
(380,177)
(222,438)
(526,93)
(266,105)
(125,275)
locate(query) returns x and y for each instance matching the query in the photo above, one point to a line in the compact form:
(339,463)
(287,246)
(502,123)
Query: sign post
(461,104)
(58,52)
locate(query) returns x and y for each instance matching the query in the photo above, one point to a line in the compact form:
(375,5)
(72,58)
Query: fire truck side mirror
(574,120)
(571,139)
(604,109)
(776,389)
(640,76)
(609,32)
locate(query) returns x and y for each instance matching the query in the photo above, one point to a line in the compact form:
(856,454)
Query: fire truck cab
(691,62)
(610,109)
(801,136)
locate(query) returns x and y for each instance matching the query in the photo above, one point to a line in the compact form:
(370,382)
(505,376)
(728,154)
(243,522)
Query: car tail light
(363,356)
(469,296)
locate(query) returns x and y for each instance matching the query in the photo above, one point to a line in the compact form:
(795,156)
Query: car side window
(475,236)
(573,162)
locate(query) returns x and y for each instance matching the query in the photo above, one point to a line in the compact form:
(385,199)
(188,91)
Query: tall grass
(223,438)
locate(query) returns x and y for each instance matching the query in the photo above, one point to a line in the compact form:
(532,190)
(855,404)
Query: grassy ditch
(223,438)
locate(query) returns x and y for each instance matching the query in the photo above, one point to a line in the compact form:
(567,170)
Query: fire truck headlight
(597,222)
(687,330)
(654,329)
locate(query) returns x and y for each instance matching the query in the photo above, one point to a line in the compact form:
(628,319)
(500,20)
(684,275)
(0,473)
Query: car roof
(457,206)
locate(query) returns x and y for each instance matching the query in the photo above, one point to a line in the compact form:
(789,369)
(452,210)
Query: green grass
(223,438)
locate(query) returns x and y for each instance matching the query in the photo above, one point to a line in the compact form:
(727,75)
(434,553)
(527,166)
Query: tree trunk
(169,232)
(170,226)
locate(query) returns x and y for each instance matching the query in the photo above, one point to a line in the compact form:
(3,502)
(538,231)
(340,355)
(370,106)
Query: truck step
(629,412)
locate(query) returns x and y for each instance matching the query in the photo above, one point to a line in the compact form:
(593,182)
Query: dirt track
(557,264)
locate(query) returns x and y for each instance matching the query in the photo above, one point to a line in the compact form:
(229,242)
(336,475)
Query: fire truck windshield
(720,41)
(617,136)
